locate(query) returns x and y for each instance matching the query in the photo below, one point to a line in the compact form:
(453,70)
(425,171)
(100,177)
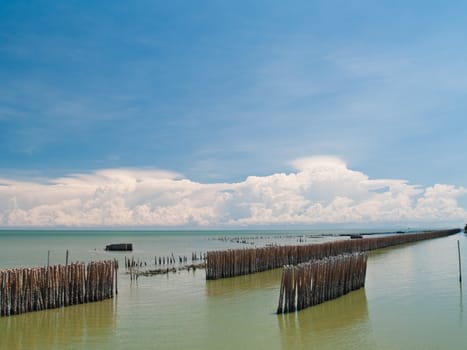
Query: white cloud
(321,191)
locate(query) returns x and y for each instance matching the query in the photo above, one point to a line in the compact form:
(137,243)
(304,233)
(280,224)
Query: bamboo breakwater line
(39,288)
(237,262)
(317,281)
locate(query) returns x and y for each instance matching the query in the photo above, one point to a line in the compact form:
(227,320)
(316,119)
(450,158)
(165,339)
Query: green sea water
(412,298)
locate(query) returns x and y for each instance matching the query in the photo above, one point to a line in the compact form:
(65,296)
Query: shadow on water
(61,328)
(344,316)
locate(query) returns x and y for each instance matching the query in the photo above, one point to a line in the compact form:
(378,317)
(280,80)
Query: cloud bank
(322,190)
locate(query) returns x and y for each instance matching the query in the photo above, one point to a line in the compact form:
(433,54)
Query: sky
(217,114)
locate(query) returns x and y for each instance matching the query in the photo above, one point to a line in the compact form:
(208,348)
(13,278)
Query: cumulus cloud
(322,190)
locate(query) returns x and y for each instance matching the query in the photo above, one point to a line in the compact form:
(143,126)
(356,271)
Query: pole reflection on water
(460,299)
(72,326)
(319,325)
(244,284)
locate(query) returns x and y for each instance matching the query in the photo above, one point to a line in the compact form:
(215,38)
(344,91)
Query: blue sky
(218,91)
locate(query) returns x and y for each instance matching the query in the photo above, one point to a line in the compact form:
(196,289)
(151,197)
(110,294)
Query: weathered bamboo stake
(1,292)
(281,296)
(459,255)
(288,287)
(116,275)
(13,292)
(7,293)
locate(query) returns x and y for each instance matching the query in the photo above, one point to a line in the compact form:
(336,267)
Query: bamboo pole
(459,256)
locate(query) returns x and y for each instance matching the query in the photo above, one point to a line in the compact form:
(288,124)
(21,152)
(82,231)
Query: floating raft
(122,247)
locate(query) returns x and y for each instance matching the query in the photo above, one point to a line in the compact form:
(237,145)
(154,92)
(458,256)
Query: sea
(412,298)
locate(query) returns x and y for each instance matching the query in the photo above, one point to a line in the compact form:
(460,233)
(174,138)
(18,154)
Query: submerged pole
(459,254)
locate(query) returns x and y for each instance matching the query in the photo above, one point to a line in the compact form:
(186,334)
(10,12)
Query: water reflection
(460,298)
(58,328)
(244,284)
(345,316)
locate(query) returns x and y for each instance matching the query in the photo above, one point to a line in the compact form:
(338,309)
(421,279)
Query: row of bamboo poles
(165,260)
(317,281)
(39,288)
(236,262)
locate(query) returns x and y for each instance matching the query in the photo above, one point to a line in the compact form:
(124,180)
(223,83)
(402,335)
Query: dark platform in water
(123,247)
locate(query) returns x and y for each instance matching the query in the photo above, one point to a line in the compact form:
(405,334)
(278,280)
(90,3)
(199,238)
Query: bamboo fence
(317,281)
(236,262)
(39,288)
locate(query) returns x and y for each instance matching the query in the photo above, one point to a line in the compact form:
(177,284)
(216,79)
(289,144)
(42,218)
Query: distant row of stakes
(164,265)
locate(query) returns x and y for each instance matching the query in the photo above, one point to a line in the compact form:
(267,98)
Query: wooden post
(116,278)
(66,260)
(459,254)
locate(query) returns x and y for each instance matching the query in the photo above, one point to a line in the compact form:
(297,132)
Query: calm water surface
(412,299)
